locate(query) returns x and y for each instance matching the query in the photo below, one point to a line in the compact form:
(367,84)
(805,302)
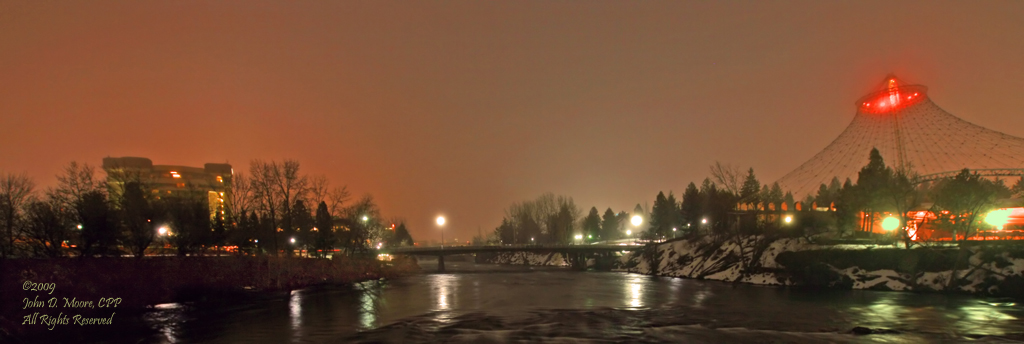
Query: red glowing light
(889,99)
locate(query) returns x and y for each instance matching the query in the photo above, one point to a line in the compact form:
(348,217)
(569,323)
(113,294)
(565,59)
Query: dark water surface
(490,303)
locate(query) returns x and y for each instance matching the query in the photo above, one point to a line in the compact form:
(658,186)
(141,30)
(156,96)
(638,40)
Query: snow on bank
(530,258)
(753,260)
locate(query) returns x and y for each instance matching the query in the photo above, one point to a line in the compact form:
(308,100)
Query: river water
(491,303)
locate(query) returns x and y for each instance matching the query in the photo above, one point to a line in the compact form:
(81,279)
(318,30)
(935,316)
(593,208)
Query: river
(492,303)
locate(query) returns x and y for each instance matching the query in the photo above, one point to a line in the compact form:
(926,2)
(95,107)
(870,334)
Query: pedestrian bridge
(576,253)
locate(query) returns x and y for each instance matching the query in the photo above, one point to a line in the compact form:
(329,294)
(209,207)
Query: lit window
(220,179)
(174,174)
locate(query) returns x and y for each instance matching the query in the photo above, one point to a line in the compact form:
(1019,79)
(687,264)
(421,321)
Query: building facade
(212,180)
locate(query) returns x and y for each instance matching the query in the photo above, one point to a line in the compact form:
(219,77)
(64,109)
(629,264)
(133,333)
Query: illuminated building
(913,133)
(213,180)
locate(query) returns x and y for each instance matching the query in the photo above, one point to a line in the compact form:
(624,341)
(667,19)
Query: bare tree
(319,188)
(336,199)
(15,191)
(291,186)
(241,200)
(265,193)
(727,176)
(74,182)
(46,229)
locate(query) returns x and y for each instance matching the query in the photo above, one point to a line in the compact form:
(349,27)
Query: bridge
(576,253)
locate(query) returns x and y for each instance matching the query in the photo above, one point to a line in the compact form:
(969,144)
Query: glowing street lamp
(890,223)
(440,223)
(998,218)
(163,231)
(788,219)
(366,218)
(579,237)
(636,220)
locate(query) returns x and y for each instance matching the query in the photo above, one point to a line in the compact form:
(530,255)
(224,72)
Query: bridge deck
(435,251)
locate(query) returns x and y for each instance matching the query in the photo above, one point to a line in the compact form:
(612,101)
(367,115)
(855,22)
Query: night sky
(463,107)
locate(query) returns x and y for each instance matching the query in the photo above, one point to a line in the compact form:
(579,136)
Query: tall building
(172,180)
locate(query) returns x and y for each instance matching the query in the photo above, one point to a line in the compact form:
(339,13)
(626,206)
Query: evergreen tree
(610,225)
(665,215)
(402,236)
(592,225)
(324,237)
(99,230)
(137,219)
(751,187)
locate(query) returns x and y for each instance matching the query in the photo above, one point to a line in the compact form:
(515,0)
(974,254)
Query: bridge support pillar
(440,263)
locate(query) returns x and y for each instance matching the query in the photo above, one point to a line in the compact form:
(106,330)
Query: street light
(440,223)
(366,218)
(636,220)
(788,219)
(890,223)
(579,237)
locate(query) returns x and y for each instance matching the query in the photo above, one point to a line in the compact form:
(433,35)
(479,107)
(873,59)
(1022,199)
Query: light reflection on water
(635,290)
(515,293)
(295,311)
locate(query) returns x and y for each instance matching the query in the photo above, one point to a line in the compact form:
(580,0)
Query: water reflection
(166,319)
(436,301)
(446,290)
(295,311)
(635,292)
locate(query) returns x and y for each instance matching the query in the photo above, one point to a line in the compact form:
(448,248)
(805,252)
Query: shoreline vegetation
(141,284)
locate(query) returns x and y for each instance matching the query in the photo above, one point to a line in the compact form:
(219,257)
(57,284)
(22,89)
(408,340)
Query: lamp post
(440,223)
(636,221)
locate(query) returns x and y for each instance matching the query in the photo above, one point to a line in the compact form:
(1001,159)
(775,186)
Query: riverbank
(32,288)
(523,258)
(992,270)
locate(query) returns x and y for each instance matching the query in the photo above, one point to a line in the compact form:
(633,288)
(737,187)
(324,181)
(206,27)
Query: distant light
(79,226)
(531,239)
(636,220)
(162,230)
(705,221)
(788,218)
(673,229)
(366,218)
(579,236)
(440,220)
(589,236)
(998,217)
(293,240)
(890,223)
(629,232)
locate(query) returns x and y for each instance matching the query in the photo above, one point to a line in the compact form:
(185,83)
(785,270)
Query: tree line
(730,203)
(274,210)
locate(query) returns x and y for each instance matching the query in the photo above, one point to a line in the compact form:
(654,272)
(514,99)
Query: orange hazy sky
(463,107)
